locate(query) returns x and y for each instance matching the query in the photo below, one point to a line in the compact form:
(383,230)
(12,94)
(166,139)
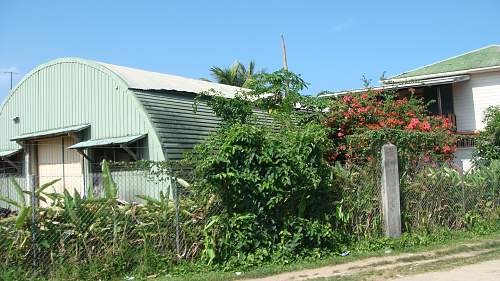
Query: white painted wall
(472,97)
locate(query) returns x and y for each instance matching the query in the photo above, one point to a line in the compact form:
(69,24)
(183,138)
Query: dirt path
(484,271)
(387,263)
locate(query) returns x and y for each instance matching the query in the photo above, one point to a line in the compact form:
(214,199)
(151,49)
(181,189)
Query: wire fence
(445,196)
(145,218)
(139,216)
(433,196)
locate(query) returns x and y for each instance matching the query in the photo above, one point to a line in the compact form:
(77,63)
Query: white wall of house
(472,97)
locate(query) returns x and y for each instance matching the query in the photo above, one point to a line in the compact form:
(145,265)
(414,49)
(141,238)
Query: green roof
(51,132)
(8,153)
(480,58)
(108,141)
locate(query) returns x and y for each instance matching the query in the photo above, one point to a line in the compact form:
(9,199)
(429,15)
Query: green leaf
(45,186)
(10,201)
(110,188)
(149,199)
(19,191)
(21,217)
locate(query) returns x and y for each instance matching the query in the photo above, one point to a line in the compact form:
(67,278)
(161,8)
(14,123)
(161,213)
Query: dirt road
(478,261)
(484,271)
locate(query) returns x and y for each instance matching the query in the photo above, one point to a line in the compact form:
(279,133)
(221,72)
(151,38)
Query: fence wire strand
(80,219)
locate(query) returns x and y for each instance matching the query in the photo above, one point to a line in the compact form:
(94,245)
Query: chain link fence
(139,217)
(433,196)
(444,196)
(136,218)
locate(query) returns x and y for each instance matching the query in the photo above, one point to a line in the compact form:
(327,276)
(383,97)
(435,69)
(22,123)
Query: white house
(463,87)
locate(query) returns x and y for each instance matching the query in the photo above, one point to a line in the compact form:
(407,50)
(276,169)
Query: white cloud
(343,25)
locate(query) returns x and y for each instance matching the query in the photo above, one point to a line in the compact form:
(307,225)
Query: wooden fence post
(391,208)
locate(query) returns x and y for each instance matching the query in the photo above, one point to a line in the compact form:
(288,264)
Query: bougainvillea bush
(361,123)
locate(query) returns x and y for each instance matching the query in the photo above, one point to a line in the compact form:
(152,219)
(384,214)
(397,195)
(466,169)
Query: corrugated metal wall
(7,189)
(72,92)
(178,127)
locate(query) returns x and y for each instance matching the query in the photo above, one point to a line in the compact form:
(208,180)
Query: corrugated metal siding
(71,92)
(52,165)
(8,190)
(178,127)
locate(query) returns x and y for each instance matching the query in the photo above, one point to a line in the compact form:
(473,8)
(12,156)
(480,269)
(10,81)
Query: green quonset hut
(70,113)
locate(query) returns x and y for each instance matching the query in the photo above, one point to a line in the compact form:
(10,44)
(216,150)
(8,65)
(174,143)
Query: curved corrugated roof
(146,80)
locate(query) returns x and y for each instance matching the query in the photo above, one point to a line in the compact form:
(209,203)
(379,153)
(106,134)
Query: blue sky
(331,43)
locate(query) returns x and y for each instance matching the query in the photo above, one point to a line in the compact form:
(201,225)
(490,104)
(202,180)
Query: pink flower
(425,126)
(413,124)
(447,149)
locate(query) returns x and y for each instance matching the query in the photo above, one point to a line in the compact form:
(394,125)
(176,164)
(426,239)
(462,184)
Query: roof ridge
(443,60)
(105,64)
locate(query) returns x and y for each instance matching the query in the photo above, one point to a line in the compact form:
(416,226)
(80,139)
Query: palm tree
(235,75)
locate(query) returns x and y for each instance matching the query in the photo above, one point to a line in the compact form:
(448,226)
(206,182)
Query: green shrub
(267,181)
(487,145)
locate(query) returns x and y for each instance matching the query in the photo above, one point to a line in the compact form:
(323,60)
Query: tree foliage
(361,123)
(488,143)
(236,75)
(274,179)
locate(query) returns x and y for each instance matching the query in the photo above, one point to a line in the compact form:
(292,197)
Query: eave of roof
(8,153)
(51,132)
(107,141)
(408,84)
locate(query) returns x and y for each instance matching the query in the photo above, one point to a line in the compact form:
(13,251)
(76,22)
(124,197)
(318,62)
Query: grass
(439,265)
(453,244)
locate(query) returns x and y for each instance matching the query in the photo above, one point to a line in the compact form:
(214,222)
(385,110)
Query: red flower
(410,114)
(413,124)
(425,126)
(347,99)
(364,96)
(373,126)
(447,149)
(447,123)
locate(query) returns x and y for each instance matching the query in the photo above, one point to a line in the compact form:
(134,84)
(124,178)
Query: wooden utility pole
(285,63)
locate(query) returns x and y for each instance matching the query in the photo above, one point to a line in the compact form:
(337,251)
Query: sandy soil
(388,263)
(484,271)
